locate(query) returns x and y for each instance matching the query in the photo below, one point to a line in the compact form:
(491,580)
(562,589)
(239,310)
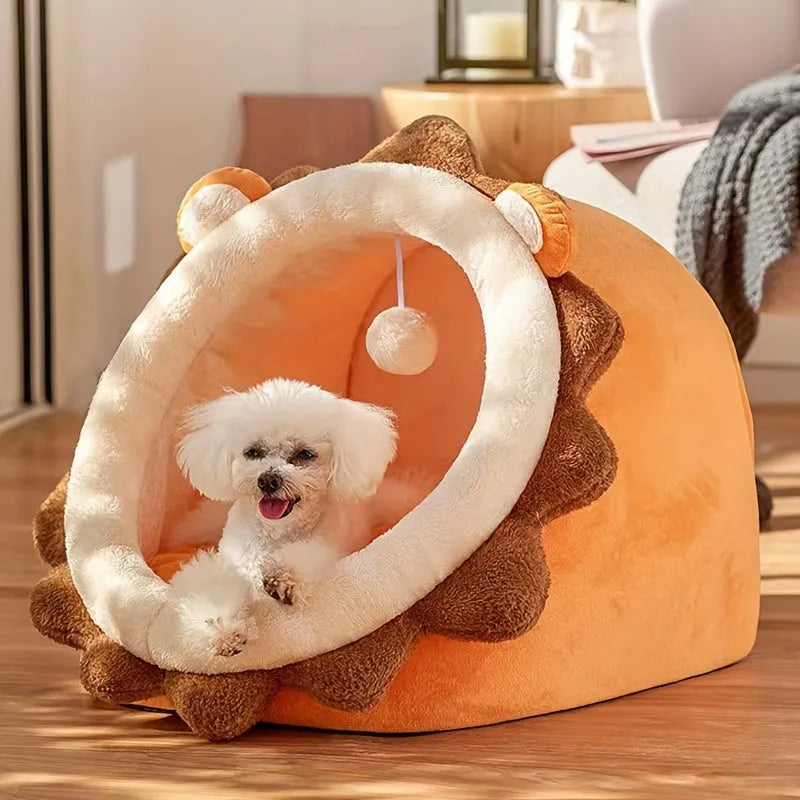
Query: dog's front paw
(228,644)
(282,586)
(228,637)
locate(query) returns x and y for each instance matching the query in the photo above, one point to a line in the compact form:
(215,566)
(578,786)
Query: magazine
(623,140)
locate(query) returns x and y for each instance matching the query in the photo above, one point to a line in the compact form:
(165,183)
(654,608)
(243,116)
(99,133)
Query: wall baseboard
(772,383)
(772,367)
(16,418)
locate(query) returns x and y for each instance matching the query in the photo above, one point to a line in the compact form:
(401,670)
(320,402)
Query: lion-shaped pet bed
(593,527)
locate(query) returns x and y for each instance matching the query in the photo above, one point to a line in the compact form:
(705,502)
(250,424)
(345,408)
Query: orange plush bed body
(593,530)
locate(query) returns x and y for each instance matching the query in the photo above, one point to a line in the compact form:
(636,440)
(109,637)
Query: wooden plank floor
(731,734)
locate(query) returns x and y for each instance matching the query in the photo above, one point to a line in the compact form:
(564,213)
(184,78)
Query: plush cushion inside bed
(310,325)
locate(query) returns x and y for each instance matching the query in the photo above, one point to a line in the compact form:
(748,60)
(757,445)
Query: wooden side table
(517,129)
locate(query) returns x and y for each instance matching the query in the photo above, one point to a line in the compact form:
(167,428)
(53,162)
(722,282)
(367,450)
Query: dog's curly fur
(289,470)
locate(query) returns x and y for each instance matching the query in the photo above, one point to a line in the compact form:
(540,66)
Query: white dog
(291,467)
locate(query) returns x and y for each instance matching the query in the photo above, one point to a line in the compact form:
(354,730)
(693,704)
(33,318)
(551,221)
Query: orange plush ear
(213,199)
(543,221)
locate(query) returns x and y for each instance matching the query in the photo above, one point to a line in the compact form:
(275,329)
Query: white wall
(161,81)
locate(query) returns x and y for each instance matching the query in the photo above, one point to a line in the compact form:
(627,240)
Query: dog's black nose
(270,482)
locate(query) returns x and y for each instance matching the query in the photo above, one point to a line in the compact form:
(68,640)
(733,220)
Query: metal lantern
(494,45)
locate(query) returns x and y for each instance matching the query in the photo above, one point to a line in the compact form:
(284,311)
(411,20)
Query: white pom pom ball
(402,341)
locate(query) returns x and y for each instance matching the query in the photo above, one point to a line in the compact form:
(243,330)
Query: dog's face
(286,445)
(284,472)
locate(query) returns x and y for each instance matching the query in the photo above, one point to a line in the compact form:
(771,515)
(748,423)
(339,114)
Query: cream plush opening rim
(256,247)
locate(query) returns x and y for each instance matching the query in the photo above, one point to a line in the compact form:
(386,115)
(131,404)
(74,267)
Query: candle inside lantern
(494,35)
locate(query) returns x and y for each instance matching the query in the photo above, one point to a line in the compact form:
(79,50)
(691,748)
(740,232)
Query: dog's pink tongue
(271,508)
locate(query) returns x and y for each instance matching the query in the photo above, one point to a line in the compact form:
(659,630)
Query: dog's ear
(205,454)
(364,445)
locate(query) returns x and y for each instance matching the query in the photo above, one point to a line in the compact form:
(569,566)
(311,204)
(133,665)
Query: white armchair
(697,54)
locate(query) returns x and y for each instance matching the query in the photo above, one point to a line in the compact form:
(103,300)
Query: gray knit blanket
(740,206)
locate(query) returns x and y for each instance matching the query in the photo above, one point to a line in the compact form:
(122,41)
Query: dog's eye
(303,455)
(254,453)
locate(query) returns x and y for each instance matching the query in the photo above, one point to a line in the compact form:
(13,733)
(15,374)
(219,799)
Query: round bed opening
(287,286)
(309,323)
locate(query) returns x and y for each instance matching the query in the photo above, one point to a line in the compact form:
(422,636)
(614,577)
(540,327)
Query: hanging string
(398,261)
